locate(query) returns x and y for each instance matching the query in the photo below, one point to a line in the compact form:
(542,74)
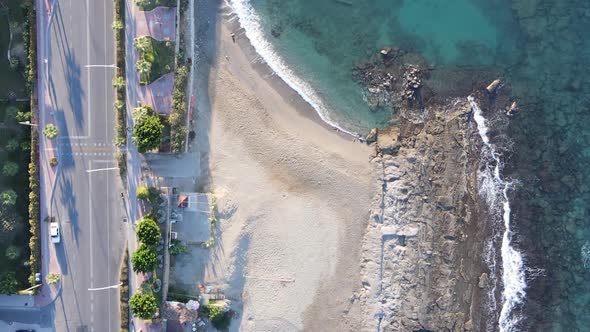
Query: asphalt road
(86,204)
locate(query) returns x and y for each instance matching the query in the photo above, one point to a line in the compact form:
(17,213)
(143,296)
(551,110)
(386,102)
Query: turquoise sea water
(539,47)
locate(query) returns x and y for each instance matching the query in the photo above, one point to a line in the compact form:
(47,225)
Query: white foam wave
(494,188)
(250,21)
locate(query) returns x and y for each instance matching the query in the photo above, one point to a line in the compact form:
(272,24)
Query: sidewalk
(47,150)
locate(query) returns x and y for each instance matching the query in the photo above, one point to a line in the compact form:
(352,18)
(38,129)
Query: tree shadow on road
(72,71)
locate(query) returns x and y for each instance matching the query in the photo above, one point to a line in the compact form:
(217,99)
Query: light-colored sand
(294,202)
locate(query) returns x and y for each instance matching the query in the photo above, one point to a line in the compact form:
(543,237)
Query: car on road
(54,231)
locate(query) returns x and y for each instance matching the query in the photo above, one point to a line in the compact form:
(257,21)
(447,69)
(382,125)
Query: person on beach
(233,37)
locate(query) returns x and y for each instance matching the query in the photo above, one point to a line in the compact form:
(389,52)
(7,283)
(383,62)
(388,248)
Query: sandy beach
(293,198)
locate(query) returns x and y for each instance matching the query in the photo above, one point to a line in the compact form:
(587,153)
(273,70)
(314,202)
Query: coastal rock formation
(391,77)
(421,261)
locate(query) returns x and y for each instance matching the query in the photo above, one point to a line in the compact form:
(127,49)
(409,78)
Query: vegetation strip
(124,291)
(179,107)
(119,82)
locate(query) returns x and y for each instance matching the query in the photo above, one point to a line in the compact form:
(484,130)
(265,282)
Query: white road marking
(100,66)
(101,169)
(107,287)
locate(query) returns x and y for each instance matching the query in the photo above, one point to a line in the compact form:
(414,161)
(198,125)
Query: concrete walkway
(159,94)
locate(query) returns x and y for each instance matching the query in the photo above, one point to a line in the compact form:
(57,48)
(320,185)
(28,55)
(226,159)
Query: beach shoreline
(297,202)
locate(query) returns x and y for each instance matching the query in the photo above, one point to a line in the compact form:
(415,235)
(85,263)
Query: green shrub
(143,192)
(50,131)
(220,319)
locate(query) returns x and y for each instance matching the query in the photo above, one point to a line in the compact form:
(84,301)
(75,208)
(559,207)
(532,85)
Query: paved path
(159,23)
(159,94)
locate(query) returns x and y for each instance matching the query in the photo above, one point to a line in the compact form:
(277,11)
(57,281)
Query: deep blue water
(538,47)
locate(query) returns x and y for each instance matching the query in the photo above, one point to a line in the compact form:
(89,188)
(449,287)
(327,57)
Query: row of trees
(143,304)
(146,58)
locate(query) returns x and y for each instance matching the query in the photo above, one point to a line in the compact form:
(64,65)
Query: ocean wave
(495,189)
(250,22)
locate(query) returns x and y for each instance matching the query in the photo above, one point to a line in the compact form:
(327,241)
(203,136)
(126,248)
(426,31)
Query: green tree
(119,82)
(50,131)
(8,283)
(143,192)
(12,252)
(143,305)
(52,278)
(144,259)
(8,197)
(12,145)
(144,68)
(147,133)
(10,168)
(148,231)
(142,43)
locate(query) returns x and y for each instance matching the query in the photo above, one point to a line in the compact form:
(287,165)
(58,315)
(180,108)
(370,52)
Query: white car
(54,231)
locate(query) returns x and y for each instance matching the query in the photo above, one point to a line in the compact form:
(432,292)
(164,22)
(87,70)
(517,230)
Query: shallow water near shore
(538,47)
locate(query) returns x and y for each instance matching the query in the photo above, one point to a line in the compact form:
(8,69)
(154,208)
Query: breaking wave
(495,190)
(250,22)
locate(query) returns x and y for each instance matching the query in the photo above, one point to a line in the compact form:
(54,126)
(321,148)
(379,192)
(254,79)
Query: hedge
(30,39)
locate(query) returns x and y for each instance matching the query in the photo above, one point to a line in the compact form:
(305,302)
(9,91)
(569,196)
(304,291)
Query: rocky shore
(422,261)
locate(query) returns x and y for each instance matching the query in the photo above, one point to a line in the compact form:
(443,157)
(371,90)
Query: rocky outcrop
(421,262)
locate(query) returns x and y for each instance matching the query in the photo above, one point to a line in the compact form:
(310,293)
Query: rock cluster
(412,83)
(421,254)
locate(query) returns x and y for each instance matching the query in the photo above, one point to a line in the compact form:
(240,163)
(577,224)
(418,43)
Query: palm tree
(142,43)
(119,82)
(144,67)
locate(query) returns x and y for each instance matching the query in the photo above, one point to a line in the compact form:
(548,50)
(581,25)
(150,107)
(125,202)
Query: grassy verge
(147,5)
(124,291)
(161,56)
(119,27)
